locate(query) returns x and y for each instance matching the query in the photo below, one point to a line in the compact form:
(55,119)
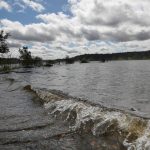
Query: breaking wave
(133,131)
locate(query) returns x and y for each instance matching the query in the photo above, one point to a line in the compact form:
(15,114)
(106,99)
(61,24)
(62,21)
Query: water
(120,84)
(114,100)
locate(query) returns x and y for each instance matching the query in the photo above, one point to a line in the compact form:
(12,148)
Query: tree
(26,57)
(49,63)
(3,42)
(69,60)
(37,61)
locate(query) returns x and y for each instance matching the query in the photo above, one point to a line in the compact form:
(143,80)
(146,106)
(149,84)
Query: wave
(98,120)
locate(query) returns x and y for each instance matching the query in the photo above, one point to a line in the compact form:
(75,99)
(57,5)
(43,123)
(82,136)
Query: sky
(59,28)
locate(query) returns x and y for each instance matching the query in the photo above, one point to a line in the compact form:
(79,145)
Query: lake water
(109,92)
(119,84)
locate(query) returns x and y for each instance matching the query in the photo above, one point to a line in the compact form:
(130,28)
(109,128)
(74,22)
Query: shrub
(49,63)
(69,60)
(37,61)
(83,60)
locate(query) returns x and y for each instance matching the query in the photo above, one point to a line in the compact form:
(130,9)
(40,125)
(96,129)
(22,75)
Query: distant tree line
(142,55)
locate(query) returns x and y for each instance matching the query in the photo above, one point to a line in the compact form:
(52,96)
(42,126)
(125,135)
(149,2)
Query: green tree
(69,60)
(37,61)
(3,42)
(26,57)
(3,50)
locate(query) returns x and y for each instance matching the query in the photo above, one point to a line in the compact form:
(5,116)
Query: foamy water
(134,130)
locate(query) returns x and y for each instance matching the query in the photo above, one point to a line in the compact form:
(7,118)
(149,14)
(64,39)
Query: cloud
(33,32)
(94,26)
(111,13)
(21,6)
(5,5)
(99,20)
(14,44)
(35,5)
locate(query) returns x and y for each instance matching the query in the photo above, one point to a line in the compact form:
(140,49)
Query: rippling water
(44,114)
(120,84)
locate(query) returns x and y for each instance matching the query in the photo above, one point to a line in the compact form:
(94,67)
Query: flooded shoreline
(34,115)
(99,121)
(40,128)
(99,127)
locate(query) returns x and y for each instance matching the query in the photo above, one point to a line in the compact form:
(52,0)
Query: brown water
(41,117)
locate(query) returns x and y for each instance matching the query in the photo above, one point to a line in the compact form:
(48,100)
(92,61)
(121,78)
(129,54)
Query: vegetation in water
(5,69)
(49,63)
(25,57)
(69,60)
(37,61)
(4,49)
(27,60)
(84,60)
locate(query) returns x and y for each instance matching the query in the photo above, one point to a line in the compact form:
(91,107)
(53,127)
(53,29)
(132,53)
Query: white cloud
(110,12)
(5,5)
(34,5)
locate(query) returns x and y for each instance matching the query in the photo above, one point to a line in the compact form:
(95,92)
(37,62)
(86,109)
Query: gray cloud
(123,36)
(14,44)
(91,35)
(32,35)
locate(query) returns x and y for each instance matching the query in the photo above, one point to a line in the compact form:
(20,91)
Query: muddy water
(36,112)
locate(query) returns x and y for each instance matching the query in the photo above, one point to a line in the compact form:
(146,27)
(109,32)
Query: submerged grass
(8,68)
(5,69)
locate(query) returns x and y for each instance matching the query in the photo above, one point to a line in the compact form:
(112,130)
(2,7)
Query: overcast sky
(57,28)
